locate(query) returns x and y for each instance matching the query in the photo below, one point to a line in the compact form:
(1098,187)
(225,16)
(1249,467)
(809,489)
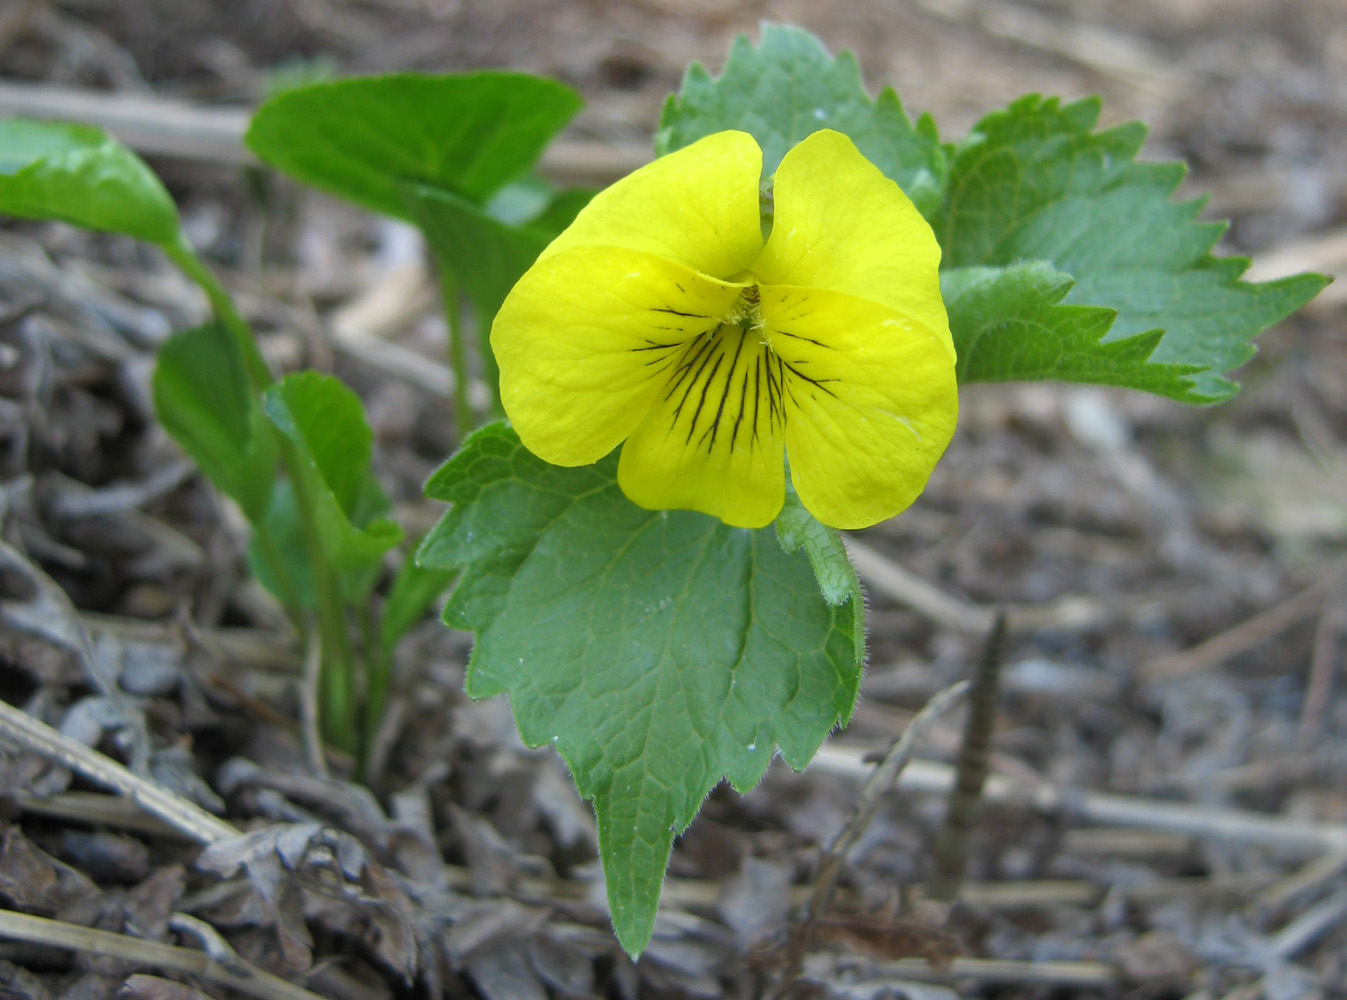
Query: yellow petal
(584,341)
(698,206)
(871,402)
(840,224)
(714,439)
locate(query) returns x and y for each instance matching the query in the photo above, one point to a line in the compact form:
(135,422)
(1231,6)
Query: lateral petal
(840,224)
(697,206)
(583,340)
(714,439)
(871,402)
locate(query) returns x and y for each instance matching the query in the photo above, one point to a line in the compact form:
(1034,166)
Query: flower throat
(727,385)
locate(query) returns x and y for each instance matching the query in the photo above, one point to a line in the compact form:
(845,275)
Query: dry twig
(228,969)
(1307,928)
(1283,833)
(1314,874)
(983,970)
(951,848)
(97,808)
(52,615)
(1243,636)
(30,734)
(888,578)
(360,328)
(1328,634)
(1108,52)
(830,863)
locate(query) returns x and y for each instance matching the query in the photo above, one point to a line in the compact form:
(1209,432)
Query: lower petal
(871,402)
(584,341)
(714,439)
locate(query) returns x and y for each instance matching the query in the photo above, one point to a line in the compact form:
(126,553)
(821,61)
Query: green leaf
(364,139)
(789,87)
(659,651)
(485,254)
(489,247)
(837,580)
(78,174)
(278,553)
(326,424)
(1009,323)
(204,400)
(1034,183)
(516,204)
(561,211)
(414,590)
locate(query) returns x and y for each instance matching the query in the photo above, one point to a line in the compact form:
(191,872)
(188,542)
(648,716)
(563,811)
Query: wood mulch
(1166,814)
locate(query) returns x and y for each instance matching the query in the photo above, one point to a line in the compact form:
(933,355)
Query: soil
(1167,814)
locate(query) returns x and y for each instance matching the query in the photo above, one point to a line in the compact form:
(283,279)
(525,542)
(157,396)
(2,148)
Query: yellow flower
(663,318)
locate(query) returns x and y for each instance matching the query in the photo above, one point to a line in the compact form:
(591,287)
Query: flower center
(725,387)
(746,311)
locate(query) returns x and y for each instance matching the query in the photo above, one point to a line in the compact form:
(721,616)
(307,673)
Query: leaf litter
(469,867)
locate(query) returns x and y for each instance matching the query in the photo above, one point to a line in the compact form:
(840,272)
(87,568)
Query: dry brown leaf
(906,937)
(143,987)
(33,881)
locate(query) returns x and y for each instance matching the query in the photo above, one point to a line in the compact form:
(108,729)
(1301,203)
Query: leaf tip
(633,937)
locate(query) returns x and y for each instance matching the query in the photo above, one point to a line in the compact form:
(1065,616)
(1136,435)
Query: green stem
(338,695)
(266,548)
(338,677)
(458,351)
(259,375)
(182,255)
(379,666)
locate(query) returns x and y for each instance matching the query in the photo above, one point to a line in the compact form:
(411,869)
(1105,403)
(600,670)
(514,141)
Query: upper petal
(871,402)
(840,224)
(582,341)
(698,206)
